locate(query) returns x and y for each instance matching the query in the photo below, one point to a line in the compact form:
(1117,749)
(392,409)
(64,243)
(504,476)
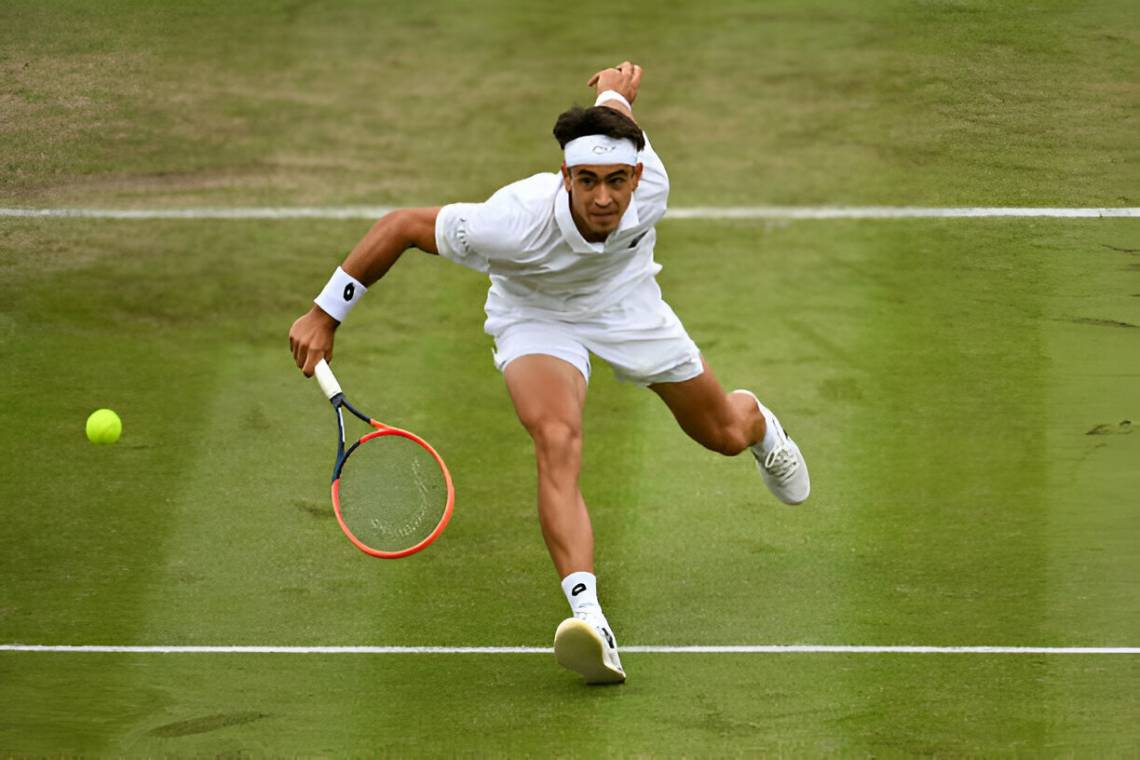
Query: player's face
(599,195)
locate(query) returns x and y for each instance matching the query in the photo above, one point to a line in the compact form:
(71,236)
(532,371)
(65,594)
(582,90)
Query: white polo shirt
(525,238)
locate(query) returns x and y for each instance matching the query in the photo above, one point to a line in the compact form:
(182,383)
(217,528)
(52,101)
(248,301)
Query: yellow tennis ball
(104,426)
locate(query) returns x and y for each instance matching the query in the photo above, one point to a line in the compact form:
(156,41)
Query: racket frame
(336,397)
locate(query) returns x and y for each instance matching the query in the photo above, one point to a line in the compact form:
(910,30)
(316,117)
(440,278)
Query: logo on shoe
(609,638)
(578,589)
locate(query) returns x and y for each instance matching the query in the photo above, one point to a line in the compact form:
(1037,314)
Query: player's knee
(556,439)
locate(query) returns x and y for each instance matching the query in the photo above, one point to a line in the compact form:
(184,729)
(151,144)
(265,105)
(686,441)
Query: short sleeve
(454,239)
(499,230)
(653,190)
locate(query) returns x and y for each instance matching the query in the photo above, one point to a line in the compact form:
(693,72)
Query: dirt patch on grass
(205,724)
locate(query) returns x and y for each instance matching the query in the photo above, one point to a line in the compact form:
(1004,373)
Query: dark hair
(598,120)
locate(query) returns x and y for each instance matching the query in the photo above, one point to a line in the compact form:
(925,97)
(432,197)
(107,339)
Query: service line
(648,649)
(695,212)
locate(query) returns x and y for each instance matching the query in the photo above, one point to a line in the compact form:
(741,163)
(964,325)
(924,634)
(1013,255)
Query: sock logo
(578,589)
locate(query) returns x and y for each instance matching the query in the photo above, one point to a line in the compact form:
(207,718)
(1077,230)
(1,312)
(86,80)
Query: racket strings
(392,493)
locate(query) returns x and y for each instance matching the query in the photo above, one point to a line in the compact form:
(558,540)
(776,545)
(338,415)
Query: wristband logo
(349,291)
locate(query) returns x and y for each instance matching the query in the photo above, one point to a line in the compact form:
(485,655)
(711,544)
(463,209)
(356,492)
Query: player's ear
(565,176)
(637,174)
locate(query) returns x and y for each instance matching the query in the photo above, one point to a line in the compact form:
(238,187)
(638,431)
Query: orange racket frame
(332,390)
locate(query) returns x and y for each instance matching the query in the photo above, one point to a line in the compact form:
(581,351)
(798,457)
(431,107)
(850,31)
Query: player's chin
(605,223)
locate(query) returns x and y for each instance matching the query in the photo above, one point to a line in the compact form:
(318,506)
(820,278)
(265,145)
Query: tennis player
(570,259)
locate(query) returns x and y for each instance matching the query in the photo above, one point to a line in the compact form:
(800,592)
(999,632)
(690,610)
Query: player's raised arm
(617,89)
(311,336)
(625,80)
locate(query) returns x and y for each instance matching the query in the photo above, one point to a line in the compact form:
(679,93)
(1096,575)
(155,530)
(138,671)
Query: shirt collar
(570,232)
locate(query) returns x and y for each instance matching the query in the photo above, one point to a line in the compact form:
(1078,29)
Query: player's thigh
(549,394)
(701,408)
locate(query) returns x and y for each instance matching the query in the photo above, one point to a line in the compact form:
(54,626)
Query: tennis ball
(104,426)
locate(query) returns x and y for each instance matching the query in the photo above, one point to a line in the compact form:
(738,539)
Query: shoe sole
(578,647)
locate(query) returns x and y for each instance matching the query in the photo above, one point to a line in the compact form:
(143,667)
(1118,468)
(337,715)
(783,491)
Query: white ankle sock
(770,439)
(581,591)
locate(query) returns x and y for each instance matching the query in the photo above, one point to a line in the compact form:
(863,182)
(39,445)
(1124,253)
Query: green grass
(945,404)
(945,705)
(940,103)
(959,386)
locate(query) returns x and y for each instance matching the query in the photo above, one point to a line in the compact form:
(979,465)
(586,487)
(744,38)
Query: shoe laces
(781,462)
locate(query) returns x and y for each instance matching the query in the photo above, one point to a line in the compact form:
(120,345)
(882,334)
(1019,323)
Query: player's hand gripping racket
(391,491)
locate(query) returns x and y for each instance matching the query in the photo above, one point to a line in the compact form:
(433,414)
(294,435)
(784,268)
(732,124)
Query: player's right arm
(311,336)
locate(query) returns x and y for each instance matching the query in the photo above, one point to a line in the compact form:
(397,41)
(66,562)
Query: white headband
(600,149)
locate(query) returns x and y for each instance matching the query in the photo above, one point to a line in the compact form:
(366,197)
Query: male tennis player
(570,259)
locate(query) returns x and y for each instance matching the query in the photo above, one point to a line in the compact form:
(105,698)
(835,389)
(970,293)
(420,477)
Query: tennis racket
(391,491)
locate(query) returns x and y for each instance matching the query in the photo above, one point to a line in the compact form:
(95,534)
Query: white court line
(893,212)
(696,212)
(728,649)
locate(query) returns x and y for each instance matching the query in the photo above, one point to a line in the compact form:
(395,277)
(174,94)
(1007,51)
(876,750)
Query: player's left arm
(653,183)
(624,79)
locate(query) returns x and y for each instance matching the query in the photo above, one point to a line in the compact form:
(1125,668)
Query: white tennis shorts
(640,338)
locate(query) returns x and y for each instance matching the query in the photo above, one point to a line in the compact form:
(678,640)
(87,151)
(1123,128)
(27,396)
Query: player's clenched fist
(311,339)
(624,78)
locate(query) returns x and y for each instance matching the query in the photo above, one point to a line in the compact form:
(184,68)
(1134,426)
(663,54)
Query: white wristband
(612,95)
(340,294)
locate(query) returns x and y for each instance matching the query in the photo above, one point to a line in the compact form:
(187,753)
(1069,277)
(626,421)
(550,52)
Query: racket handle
(327,379)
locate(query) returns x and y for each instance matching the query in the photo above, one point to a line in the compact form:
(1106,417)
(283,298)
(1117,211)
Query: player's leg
(730,423)
(549,394)
(645,342)
(726,423)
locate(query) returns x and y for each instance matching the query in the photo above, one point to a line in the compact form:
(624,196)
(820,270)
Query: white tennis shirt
(525,238)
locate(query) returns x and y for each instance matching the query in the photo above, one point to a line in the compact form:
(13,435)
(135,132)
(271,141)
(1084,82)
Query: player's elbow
(414,227)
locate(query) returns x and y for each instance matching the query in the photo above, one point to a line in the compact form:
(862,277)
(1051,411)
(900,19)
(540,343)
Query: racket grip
(327,379)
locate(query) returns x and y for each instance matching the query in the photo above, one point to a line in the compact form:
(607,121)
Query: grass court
(966,390)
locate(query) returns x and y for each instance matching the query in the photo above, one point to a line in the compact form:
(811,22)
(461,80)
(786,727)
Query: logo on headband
(601,150)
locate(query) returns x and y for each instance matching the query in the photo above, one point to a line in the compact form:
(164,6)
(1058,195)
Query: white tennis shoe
(586,645)
(783,469)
